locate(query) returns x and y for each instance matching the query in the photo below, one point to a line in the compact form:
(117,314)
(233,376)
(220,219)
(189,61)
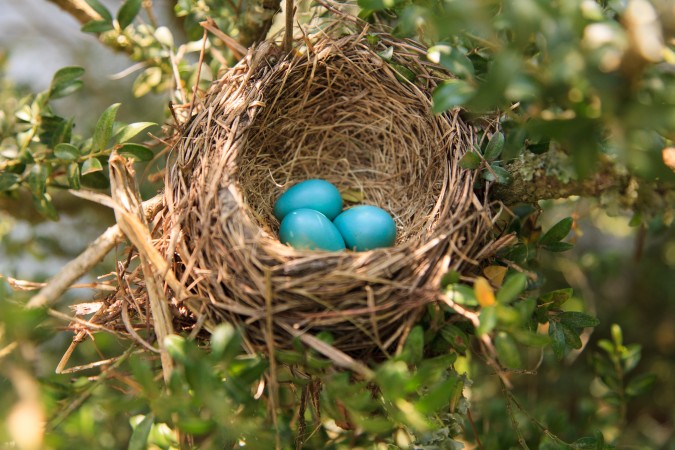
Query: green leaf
(641,385)
(66,81)
(91,165)
(402,72)
(413,349)
(37,179)
(97,26)
(507,351)
(556,298)
(557,232)
(497,173)
(488,320)
(557,336)
(571,336)
(558,247)
(139,438)
(451,94)
(452,59)
(66,152)
(439,396)
(43,204)
(95,180)
(73,175)
(512,287)
(100,9)
(494,147)
(128,12)
(104,127)
(577,319)
(377,5)
(9,181)
(470,161)
(136,151)
(530,338)
(127,132)
(455,337)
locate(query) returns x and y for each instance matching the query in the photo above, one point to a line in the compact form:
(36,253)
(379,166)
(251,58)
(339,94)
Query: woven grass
(334,109)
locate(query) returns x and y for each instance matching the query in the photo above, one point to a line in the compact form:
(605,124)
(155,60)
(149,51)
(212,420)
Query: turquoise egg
(307,229)
(366,227)
(319,195)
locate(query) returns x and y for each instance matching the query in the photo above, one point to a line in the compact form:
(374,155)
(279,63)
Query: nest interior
(339,111)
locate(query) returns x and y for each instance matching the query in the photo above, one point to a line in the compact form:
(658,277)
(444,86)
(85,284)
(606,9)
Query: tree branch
(549,176)
(79,9)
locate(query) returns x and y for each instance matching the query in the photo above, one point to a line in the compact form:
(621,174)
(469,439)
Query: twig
(288,35)
(131,220)
(86,261)
(79,9)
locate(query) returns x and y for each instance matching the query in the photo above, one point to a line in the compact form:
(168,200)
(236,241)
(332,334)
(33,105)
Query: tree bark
(545,176)
(79,9)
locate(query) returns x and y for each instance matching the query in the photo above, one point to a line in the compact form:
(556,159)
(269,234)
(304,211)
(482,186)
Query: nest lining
(340,112)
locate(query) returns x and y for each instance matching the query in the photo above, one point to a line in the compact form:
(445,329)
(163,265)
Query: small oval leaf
(494,147)
(557,232)
(104,127)
(66,152)
(91,165)
(128,12)
(470,161)
(451,94)
(136,151)
(127,132)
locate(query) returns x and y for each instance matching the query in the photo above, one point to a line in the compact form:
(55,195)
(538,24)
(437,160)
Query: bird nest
(353,109)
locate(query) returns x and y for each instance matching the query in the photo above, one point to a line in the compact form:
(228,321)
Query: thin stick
(86,261)
(288,36)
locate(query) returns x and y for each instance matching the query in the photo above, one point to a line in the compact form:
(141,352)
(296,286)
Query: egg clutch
(311,218)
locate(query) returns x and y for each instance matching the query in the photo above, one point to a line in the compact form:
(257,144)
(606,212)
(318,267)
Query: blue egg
(366,227)
(319,195)
(307,229)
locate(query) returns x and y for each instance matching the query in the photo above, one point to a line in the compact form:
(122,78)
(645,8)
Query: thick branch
(79,9)
(547,176)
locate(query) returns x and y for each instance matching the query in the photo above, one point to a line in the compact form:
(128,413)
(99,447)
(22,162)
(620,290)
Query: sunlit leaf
(104,128)
(507,351)
(487,320)
(484,293)
(136,151)
(452,59)
(557,232)
(91,165)
(66,81)
(495,274)
(139,438)
(128,132)
(514,286)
